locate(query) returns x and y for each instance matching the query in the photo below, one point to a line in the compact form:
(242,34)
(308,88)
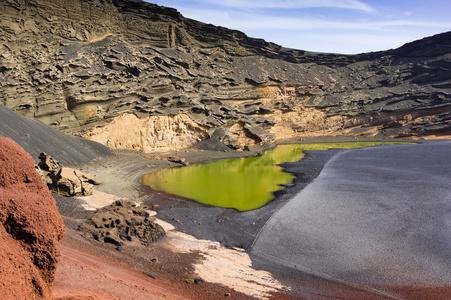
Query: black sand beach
(374,219)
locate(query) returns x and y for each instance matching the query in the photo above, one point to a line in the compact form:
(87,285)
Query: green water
(242,183)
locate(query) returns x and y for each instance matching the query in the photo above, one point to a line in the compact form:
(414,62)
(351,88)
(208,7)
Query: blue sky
(338,26)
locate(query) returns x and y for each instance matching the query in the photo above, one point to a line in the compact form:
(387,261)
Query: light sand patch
(229,267)
(98,200)
(233,269)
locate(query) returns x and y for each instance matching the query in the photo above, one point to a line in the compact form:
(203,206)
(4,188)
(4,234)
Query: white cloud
(354,43)
(246,21)
(357,28)
(292,4)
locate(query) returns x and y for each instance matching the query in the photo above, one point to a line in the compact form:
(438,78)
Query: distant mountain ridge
(80,65)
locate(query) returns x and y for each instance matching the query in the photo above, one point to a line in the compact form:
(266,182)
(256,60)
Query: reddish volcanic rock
(30,227)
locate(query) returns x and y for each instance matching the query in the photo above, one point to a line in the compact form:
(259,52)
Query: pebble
(150,274)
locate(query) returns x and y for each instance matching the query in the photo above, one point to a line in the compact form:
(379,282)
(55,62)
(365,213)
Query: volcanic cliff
(131,74)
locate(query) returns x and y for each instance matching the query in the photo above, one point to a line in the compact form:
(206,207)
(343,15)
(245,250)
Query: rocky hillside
(30,228)
(36,137)
(136,75)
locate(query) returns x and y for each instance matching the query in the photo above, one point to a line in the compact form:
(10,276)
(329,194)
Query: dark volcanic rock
(79,65)
(122,222)
(176,159)
(48,163)
(227,138)
(212,144)
(30,228)
(260,134)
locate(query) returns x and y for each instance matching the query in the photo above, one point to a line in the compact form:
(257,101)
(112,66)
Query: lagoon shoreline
(233,229)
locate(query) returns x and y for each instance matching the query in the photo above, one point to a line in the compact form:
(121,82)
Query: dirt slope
(30,227)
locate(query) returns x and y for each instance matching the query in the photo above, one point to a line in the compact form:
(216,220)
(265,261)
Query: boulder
(48,163)
(63,180)
(30,227)
(227,138)
(259,134)
(212,144)
(70,182)
(120,223)
(176,159)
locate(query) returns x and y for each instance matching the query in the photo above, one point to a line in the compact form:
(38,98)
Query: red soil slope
(30,227)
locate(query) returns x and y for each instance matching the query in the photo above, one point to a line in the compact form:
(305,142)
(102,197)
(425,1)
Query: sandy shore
(201,240)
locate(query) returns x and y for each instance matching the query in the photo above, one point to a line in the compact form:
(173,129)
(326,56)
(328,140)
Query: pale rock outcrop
(63,180)
(149,134)
(71,182)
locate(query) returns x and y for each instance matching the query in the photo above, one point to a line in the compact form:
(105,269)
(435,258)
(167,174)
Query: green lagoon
(242,183)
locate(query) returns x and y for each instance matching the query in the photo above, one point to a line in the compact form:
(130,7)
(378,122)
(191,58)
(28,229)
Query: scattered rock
(176,159)
(227,138)
(198,281)
(46,176)
(286,185)
(260,134)
(70,182)
(63,180)
(151,275)
(48,163)
(120,223)
(212,144)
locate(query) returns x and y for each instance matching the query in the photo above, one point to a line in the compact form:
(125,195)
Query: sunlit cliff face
(79,73)
(150,134)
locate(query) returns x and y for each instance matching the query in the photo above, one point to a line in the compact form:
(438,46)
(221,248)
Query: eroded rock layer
(30,227)
(79,65)
(121,223)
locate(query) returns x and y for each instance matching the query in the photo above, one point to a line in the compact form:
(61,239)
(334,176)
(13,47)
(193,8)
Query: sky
(334,26)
